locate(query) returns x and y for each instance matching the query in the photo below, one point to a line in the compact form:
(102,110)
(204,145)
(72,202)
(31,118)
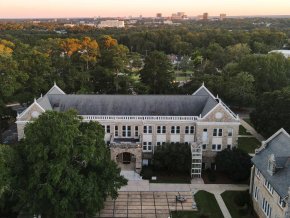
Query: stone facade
(260,192)
(216,117)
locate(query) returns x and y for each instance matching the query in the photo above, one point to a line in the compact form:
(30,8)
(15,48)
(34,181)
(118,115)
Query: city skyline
(149,8)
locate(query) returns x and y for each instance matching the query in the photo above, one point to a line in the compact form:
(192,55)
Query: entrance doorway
(126,161)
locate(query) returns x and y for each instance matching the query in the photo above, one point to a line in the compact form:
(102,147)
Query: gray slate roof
(200,103)
(133,105)
(280,147)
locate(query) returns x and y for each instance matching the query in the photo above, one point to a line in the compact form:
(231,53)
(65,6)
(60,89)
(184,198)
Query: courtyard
(146,204)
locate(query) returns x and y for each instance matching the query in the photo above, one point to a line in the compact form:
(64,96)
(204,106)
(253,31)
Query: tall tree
(157,73)
(68,170)
(272,112)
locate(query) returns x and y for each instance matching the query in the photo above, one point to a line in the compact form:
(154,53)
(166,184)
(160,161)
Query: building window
(108,129)
(268,186)
(258,173)
(282,202)
(147,129)
(147,146)
(230,132)
(216,147)
(175,129)
(136,131)
(204,147)
(126,131)
(229,146)
(161,129)
(256,193)
(266,208)
(189,129)
(116,131)
(218,132)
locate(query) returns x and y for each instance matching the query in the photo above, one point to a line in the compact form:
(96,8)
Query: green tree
(173,158)
(235,163)
(157,73)
(272,112)
(9,168)
(241,89)
(68,170)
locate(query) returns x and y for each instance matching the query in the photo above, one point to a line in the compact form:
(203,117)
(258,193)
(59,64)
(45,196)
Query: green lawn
(247,120)
(243,131)
(207,206)
(236,211)
(248,144)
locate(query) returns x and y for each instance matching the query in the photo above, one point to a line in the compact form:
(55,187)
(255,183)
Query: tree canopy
(67,167)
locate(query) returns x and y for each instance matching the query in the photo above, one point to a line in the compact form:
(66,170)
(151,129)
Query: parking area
(146,204)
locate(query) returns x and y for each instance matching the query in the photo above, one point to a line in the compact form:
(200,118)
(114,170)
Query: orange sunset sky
(115,8)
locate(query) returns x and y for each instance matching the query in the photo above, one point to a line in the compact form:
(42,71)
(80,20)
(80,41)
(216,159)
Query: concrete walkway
(216,189)
(251,130)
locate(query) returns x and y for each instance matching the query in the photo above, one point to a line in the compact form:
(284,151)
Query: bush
(211,175)
(244,211)
(235,163)
(173,158)
(243,199)
(146,172)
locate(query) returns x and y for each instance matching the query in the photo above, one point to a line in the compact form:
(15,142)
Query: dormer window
(271,164)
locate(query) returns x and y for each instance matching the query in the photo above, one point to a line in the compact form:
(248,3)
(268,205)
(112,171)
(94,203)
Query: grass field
(207,206)
(236,211)
(248,144)
(243,131)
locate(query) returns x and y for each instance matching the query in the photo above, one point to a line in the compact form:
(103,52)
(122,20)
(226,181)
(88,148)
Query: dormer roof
(278,146)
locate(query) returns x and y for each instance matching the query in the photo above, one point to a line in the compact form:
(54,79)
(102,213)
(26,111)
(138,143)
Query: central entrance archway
(127,158)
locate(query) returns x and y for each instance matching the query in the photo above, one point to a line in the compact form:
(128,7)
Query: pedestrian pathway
(222,205)
(251,130)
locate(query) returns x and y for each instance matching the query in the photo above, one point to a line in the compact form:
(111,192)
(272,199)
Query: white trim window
(268,186)
(160,143)
(217,132)
(282,202)
(216,147)
(147,129)
(108,129)
(204,147)
(266,208)
(256,193)
(161,129)
(126,131)
(258,173)
(136,131)
(230,132)
(229,146)
(189,130)
(175,129)
(116,131)
(147,146)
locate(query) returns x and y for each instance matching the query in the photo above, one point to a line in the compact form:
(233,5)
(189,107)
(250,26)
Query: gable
(31,112)
(220,114)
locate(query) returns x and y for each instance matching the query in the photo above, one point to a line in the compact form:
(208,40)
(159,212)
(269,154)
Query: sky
(121,8)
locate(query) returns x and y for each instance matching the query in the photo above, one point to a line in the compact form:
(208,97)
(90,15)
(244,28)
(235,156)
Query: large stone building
(135,125)
(270,177)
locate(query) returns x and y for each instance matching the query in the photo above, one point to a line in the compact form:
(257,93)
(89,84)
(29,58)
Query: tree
(157,73)
(241,89)
(9,168)
(68,170)
(173,158)
(272,112)
(235,163)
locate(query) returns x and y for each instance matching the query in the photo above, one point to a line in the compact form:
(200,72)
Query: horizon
(32,9)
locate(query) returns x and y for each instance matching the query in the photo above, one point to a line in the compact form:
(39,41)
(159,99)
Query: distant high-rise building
(205,16)
(223,16)
(159,15)
(179,16)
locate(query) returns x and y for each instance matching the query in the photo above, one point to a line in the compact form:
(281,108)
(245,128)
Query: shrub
(243,199)
(147,172)
(211,175)
(235,163)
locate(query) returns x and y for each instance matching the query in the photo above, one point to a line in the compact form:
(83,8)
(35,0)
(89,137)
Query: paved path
(251,130)
(216,189)
(222,205)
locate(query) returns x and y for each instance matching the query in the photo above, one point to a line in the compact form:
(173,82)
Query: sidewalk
(251,130)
